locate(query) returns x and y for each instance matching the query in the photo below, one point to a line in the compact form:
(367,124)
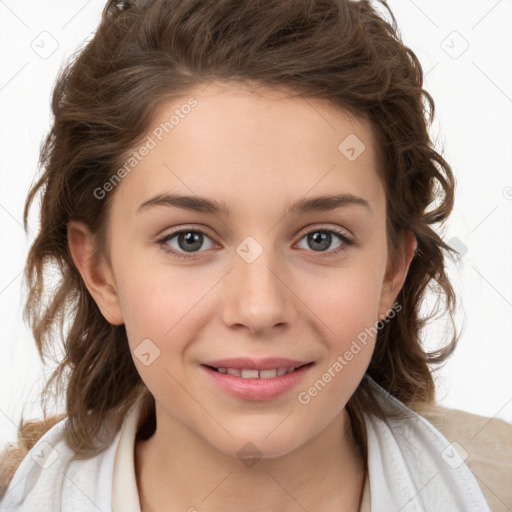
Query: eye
(186,241)
(320,240)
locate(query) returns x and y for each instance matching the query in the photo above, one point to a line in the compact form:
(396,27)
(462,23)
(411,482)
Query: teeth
(250,374)
(257,374)
(268,374)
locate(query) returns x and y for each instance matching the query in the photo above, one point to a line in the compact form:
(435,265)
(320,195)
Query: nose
(258,297)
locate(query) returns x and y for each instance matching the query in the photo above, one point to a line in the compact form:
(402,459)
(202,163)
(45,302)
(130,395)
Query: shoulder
(412,464)
(43,462)
(50,477)
(29,433)
(485,444)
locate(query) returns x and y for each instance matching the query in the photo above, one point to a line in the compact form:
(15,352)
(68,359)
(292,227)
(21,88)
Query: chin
(250,448)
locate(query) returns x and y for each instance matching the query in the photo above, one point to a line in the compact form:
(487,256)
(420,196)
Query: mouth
(249,381)
(249,373)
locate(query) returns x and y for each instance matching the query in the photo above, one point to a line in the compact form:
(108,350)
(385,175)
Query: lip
(256,389)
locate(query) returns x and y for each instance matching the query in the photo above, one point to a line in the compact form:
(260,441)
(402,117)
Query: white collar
(413,467)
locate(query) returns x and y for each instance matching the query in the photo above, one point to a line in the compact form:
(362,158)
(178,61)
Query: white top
(411,468)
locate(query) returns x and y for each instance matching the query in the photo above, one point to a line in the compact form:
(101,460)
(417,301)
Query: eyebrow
(207,205)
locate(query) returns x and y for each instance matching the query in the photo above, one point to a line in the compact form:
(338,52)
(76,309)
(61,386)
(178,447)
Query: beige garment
(487,444)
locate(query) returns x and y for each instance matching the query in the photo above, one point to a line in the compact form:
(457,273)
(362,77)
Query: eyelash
(347,242)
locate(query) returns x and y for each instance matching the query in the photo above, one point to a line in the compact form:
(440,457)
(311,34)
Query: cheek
(155,312)
(348,309)
(154,297)
(346,301)
(162,309)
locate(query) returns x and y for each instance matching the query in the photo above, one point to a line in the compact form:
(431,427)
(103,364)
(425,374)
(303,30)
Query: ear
(395,277)
(97,276)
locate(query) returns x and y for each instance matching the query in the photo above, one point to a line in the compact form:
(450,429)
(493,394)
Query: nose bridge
(257,297)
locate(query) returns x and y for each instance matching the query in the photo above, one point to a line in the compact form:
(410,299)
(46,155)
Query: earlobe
(395,278)
(97,276)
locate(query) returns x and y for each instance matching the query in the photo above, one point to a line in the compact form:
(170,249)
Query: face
(272,275)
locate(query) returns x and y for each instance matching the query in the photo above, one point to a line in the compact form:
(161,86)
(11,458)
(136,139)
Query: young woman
(240,198)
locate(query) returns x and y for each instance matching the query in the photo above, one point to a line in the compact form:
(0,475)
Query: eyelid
(347,241)
(325,227)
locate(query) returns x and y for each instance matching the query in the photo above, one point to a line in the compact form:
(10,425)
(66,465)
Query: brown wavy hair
(146,52)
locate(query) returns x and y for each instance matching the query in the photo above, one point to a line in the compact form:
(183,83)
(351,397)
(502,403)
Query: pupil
(322,239)
(192,241)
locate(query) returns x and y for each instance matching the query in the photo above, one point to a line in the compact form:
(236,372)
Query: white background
(472,90)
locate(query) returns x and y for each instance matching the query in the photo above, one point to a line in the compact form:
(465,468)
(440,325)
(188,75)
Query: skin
(257,152)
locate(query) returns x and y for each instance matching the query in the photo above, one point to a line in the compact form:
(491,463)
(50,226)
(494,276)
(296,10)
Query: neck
(177,470)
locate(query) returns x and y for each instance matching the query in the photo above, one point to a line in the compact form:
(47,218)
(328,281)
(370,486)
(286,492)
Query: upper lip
(247,363)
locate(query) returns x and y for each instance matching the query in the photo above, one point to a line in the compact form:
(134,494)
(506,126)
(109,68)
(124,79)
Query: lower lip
(257,389)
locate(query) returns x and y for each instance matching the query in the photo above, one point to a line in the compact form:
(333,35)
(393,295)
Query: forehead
(252,148)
